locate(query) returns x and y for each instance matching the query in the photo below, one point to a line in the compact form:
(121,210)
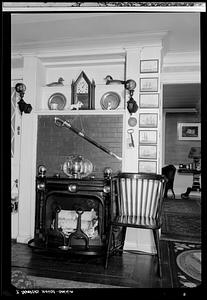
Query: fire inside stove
(79,219)
(67,222)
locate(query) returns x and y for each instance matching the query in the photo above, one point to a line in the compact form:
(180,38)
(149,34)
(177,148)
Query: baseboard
(23,239)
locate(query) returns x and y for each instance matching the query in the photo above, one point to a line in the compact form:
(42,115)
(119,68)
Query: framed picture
(149,66)
(149,152)
(147,166)
(148,120)
(149,101)
(189,131)
(147,136)
(149,84)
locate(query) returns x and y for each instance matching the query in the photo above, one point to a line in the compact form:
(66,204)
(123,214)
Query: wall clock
(83,92)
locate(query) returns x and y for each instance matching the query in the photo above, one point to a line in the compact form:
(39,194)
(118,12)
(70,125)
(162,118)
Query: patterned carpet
(186,270)
(191,206)
(21,280)
(181,221)
(181,227)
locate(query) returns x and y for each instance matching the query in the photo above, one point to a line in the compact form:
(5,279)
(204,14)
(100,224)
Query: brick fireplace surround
(58,196)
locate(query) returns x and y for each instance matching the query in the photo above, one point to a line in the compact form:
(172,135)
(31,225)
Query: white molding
(80,112)
(180,77)
(66,63)
(24,239)
(17,74)
(181,59)
(179,110)
(104,41)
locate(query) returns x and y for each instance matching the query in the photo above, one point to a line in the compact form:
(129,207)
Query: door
(15,157)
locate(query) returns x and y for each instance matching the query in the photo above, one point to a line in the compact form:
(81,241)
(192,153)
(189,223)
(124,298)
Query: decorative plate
(132,121)
(58,99)
(110,100)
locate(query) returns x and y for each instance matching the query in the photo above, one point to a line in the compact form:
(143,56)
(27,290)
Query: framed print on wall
(148,151)
(148,120)
(189,131)
(149,66)
(147,136)
(149,101)
(147,166)
(149,84)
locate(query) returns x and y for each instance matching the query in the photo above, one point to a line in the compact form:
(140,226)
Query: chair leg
(108,246)
(157,243)
(173,194)
(122,240)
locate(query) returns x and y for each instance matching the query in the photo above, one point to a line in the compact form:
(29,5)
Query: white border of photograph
(148,120)
(149,66)
(149,101)
(147,166)
(148,136)
(149,84)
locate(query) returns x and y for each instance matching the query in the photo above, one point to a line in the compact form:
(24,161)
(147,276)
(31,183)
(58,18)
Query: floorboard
(135,270)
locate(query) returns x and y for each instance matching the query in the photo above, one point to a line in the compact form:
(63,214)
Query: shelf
(80,112)
(189,171)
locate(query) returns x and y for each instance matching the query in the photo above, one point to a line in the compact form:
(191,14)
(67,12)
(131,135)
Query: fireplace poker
(59,122)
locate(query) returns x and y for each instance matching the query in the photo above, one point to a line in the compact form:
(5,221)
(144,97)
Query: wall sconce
(23,106)
(129,85)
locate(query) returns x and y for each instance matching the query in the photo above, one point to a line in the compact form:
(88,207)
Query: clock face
(82,86)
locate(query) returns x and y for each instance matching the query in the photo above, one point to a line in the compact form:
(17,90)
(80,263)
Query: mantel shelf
(79,112)
(69,86)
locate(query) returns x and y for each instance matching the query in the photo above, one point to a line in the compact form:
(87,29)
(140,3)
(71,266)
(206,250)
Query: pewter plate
(110,100)
(59,99)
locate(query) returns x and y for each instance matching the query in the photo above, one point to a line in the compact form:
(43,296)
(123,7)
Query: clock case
(86,98)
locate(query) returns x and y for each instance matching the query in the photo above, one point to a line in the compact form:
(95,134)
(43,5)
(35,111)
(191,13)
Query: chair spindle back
(139,195)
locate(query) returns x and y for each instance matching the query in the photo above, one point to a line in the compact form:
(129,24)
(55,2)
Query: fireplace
(72,200)
(71,214)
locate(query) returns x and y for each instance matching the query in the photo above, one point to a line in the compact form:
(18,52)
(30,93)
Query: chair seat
(137,221)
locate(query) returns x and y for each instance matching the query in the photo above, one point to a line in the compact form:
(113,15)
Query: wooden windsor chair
(136,201)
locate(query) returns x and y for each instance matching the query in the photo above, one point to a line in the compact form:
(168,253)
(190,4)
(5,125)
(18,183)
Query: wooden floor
(129,270)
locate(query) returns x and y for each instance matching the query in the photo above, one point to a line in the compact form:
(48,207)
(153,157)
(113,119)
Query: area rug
(181,220)
(21,280)
(185,262)
(189,206)
(181,227)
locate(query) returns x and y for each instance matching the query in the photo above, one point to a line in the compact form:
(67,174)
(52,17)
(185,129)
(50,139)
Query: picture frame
(149,66)
(149,100)
(189,131)
(147,166)
(148,151)
(149,84)
(148,120)
(148,136)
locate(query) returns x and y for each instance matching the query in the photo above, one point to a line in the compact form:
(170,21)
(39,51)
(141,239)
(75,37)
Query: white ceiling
(182,31)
